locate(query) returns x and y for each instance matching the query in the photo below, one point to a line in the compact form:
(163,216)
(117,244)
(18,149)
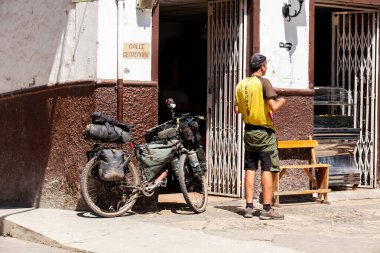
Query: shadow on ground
(237,210)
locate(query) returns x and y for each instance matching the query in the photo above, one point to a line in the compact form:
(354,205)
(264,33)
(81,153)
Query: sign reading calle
(136,50)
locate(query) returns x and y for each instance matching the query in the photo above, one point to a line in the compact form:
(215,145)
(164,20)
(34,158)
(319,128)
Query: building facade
(63,60)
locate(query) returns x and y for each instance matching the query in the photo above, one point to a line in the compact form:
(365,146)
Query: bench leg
(322,175)
(276,183)
(325,184)
(318,177)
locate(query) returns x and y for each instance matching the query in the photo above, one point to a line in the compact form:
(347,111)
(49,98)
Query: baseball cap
(257,60)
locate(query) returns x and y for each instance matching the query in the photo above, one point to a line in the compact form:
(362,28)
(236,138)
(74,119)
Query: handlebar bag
(154,156)
(186,132)
(111,164)
(106,133)
(167,133)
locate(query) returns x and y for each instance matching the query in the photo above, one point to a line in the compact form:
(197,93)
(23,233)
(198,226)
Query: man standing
(256,100)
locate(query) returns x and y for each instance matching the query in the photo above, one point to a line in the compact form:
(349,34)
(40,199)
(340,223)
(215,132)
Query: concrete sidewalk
(350,224)
(75,230)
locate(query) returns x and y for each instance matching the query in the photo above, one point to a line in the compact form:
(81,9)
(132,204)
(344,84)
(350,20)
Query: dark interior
(183,64)
(322,53)
(182,68)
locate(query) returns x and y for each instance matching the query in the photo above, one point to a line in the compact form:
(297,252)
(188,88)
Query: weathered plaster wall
(43,151)
(295,122)
(137,27)
(286,69)
(46,41)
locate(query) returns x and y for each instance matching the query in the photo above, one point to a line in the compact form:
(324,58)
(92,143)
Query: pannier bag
(111,164)
(201,154)
(106,133)
(197,136)
(157,134)
(186,132)
(155,156)
(190,134)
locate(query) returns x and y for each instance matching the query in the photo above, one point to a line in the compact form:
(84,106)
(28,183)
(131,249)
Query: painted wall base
(43,151)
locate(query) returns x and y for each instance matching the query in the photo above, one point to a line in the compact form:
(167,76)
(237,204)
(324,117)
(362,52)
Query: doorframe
(154,42)
(253,28)
(355,4)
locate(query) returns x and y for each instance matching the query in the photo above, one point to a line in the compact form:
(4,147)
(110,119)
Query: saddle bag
(154,156)
(106,129)
(111,164)
(106,133)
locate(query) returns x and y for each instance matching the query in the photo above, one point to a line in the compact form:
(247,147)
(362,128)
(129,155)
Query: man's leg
(249,192)
(267,184)
(268,212)
(249,185)
(269,163)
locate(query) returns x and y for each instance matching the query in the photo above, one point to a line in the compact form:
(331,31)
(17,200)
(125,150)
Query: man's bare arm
(275,105)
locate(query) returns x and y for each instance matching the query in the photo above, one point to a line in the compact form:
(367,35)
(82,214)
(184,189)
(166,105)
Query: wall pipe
(119,82)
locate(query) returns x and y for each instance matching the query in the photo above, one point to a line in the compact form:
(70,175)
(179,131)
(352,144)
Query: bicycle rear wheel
(193,187)
(109,199)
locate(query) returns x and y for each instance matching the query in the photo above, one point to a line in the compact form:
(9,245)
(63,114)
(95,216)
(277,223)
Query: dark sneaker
(271,215)
(248,212)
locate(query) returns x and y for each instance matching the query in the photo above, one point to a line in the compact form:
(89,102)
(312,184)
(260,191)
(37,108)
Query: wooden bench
(320,179)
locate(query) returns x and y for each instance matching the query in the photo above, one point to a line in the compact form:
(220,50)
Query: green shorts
(261,145)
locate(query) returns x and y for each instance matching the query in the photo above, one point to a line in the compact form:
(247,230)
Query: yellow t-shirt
(251,96)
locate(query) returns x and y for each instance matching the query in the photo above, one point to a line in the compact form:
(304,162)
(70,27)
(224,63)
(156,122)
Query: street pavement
(351,223)
(13,245)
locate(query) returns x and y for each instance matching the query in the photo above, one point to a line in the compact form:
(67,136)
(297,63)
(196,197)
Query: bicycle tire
(109,199)
(193,188)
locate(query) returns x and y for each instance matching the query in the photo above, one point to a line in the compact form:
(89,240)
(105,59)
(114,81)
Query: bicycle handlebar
(173,122)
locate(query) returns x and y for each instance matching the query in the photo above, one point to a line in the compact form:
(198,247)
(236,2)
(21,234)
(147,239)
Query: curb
(359,194)
(14,230)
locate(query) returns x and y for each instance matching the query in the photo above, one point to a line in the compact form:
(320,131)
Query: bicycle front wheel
(193,187)
(109,199)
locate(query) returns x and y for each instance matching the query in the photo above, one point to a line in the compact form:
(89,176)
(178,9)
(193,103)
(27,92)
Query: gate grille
(225,51)
(355,37)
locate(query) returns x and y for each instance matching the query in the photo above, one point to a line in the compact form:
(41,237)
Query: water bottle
(193,158)
(174,163)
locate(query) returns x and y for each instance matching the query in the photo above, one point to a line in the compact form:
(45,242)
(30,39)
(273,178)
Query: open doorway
(345,106)
(202,52)
(183,57)
(183,63)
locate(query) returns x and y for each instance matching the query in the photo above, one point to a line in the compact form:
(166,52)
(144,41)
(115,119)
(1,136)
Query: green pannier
(154,157)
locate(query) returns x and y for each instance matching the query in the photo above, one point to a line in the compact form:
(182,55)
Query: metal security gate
(226,19)
(354,67)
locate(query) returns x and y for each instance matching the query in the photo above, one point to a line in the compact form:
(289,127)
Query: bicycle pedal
(164,182)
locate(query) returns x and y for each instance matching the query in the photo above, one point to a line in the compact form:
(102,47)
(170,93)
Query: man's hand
(236,109)
(275,105)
